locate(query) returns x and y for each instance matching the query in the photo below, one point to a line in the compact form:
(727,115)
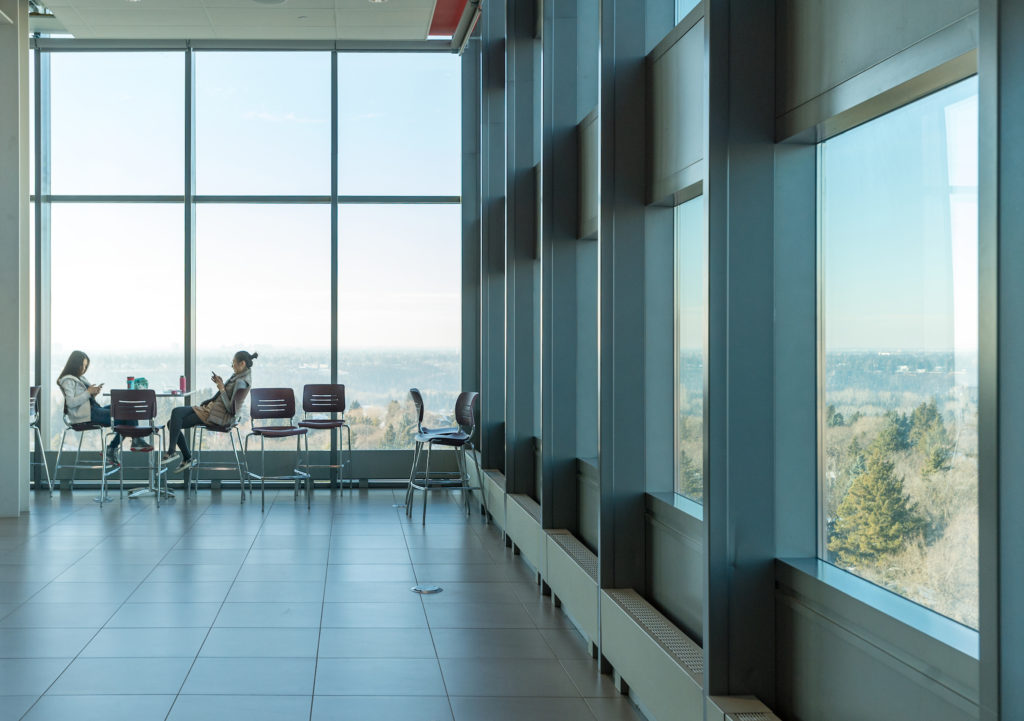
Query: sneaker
(112,457)
(183,465)
(169,458)
(141,446)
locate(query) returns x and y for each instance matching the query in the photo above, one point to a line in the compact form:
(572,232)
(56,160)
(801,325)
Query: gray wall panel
(823,44)
(676,78)
(589,502)
(589,139)
(675,567)
(827,673)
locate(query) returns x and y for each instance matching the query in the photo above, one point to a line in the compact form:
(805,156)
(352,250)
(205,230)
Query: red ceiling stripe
(446,17)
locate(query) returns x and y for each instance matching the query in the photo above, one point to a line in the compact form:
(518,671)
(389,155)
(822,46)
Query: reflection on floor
(205,609)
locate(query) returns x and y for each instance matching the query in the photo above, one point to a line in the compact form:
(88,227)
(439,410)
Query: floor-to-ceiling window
(691,334)
(898,409)
(272,163)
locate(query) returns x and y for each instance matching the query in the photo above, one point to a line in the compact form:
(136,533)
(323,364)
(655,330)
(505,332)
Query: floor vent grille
(678,645)
(528,504)
(578,552)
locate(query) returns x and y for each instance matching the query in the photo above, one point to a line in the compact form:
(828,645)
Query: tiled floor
(205,609)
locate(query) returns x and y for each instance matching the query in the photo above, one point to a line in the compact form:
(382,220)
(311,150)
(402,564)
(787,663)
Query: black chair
(270,404)
(328,398)
(138,406)
(458,439)
(33,424)
(199,432)
(81,429)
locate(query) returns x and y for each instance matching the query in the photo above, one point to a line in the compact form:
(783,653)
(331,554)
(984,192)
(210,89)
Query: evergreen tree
(928,433)
(691,477)
(895,435)
(922,419)
(875,518)
(833,418)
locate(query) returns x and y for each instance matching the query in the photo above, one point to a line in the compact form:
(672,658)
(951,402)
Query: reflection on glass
(264,285)
(399,317)
(263,123)
(117,294)
(685,6)
(899,414)
(399,124)
(691,321)
(117,123)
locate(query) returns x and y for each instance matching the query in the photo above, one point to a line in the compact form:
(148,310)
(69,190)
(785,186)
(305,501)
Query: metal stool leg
(351,475)
(60,451)
(480,485)
(78,455)
(263,474)
(245,461)
(460,459)
(238,465)
(42,455)
(309,476)
(412,475)
(426,483)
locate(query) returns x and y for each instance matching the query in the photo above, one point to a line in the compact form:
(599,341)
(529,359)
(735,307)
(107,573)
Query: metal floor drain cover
(426,589)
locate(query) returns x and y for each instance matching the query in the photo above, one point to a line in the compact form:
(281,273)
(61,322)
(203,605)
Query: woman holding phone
(80,405)
(216,411)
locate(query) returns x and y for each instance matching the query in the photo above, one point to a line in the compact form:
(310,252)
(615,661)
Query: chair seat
(279,431)
(444,431)
(443,439)
(321,423)
(87,426)
(137,431)
(218,429)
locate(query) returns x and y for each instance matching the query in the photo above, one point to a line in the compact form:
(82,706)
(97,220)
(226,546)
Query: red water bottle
(131,382)
(181,384)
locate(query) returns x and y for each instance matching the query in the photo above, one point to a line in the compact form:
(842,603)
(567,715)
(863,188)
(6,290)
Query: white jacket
(77,399)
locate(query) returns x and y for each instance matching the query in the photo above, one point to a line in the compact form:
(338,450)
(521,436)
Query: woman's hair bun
(255,356)
(246,357)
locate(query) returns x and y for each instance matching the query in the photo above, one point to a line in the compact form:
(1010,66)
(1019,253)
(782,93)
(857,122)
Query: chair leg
(426,483)
(351,475)
(409,490)
(263,474)
(245,460)
(78,455)
(60,451)
(309,476)
(238,465)
(460,459)
(295,468)
(42,455)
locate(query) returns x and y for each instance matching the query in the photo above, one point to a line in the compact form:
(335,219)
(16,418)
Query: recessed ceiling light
(377,2)
(270,2)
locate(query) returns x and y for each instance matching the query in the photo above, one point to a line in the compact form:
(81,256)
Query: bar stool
(138,406)
(82,429)
(198,432)
(33,424)
(458,439)
(269,404)
(421,432)
(328,398)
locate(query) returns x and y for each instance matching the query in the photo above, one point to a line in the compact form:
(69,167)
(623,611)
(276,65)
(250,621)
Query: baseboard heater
(571,573)
(522,515)
(662,666)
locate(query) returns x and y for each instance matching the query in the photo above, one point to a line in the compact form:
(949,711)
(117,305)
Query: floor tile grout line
(323,601)
(199,650)
(120,606)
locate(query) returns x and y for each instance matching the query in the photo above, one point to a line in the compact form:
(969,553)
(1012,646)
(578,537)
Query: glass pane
(263,284)
(683,7)
(117,294)
(399,124)
(117,123)
(691,317)
(899,415)
(263,123)
(399,317)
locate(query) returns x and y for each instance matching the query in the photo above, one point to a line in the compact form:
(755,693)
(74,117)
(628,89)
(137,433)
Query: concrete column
(14,249)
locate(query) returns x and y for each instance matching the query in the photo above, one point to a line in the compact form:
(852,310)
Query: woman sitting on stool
(80,404)
(217,411)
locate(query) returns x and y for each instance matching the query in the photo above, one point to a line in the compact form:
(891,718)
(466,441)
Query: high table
(165,491)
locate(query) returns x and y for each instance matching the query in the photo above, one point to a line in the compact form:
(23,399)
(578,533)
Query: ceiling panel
(246,19)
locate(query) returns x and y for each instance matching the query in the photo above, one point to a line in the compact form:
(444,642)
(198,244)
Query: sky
(899,232)
(262,128)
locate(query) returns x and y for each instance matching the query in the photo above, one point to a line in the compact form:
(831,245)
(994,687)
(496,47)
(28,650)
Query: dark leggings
(183,417)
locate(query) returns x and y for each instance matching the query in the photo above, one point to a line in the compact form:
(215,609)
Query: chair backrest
(323,398)
(33,403)
(271,403)
(465,410)
(417,400)
(134,405)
